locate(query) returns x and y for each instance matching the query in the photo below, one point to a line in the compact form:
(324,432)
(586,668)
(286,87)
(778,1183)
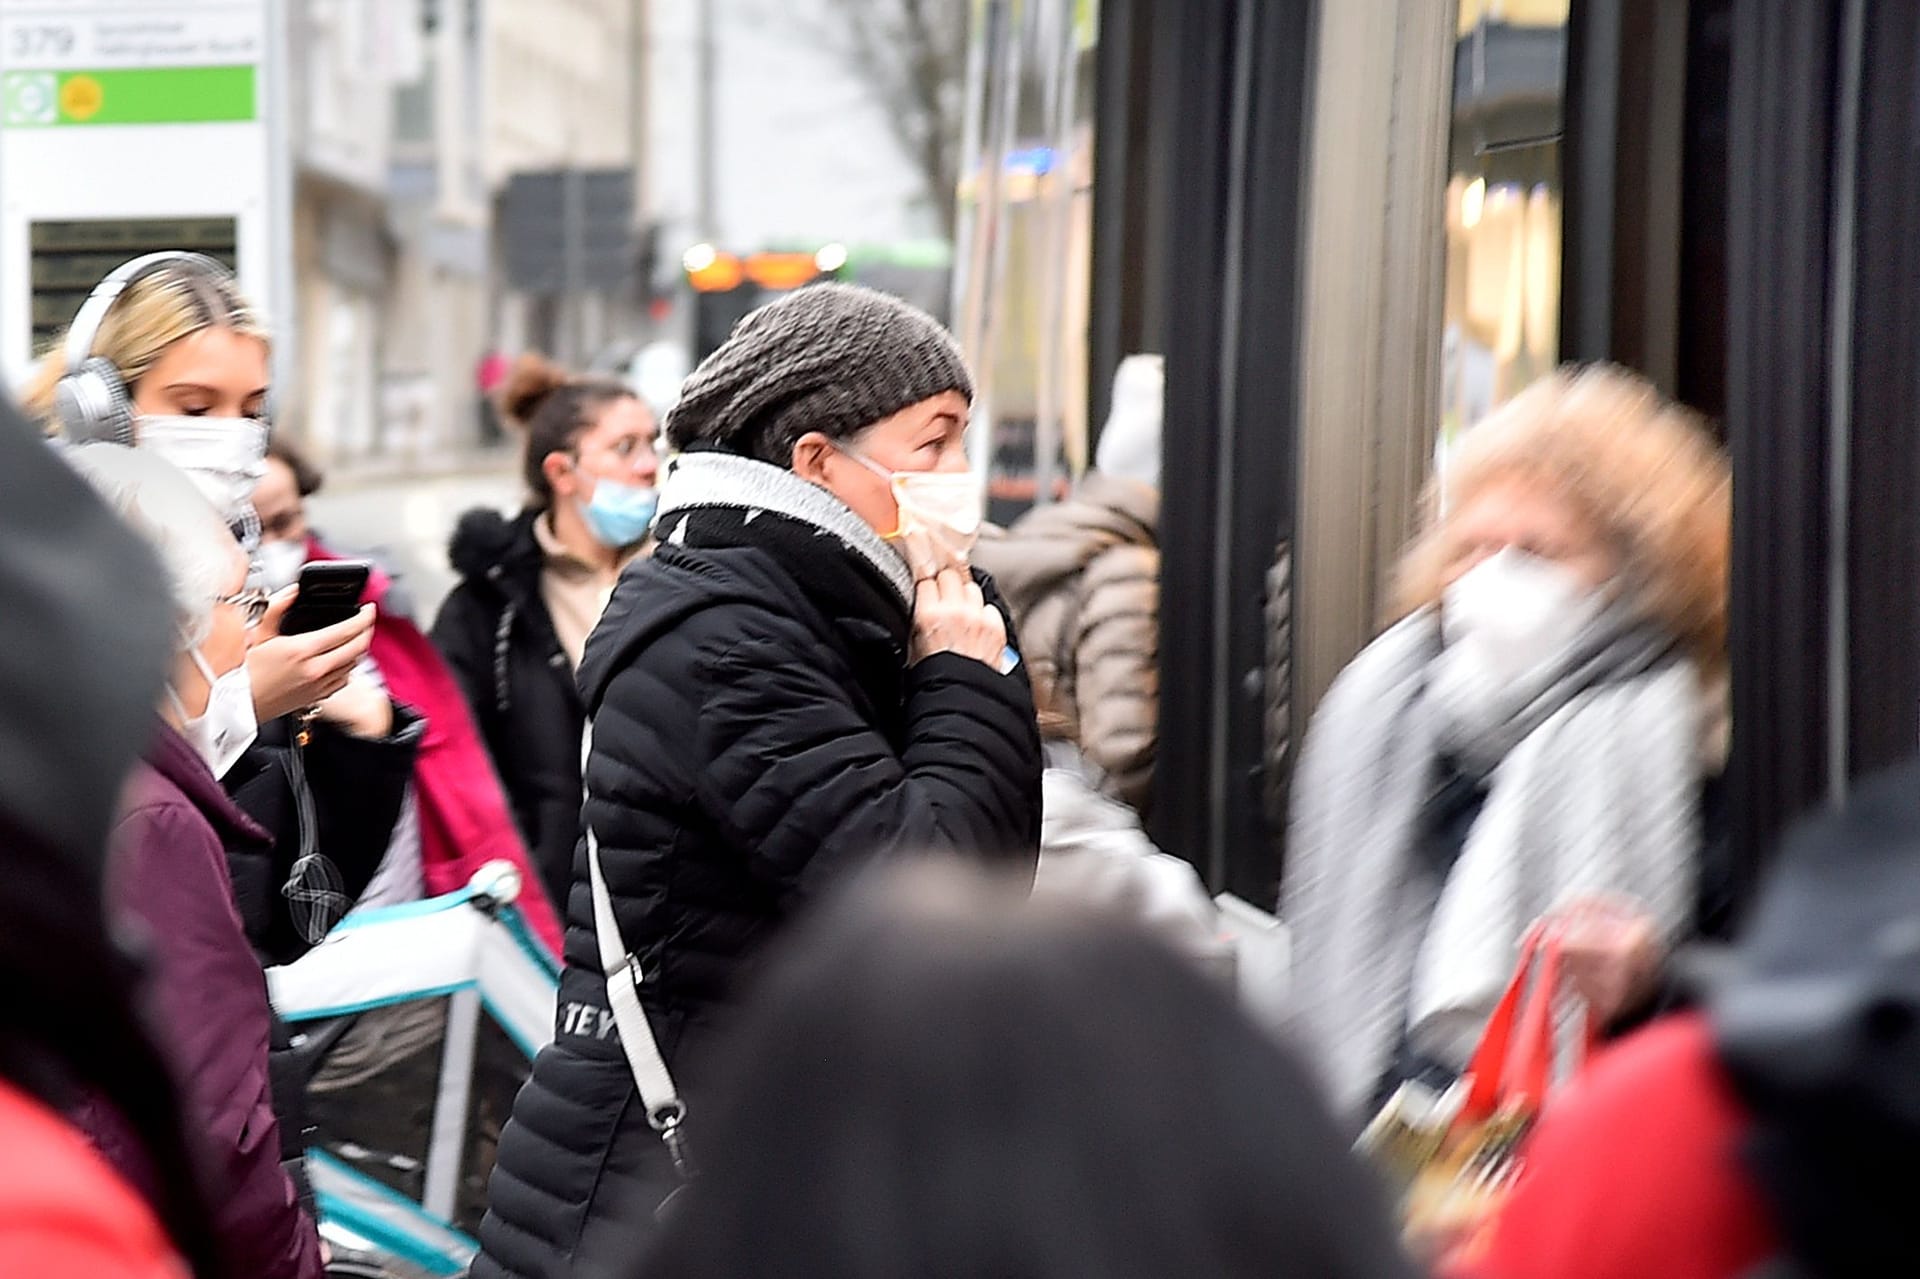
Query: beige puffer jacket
(1083,580)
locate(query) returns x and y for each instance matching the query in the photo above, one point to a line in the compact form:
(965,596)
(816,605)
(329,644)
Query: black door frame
(1227,135)
(1780,160)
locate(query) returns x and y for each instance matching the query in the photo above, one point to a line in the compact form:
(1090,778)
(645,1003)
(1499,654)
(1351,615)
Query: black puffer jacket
(758,737)
(496,634)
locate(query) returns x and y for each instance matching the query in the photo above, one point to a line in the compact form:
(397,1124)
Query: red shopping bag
(1456,1155)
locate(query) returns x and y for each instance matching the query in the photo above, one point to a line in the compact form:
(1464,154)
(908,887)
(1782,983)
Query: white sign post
(119,112)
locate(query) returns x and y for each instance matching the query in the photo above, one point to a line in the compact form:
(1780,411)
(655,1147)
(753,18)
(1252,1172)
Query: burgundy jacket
(207,1000)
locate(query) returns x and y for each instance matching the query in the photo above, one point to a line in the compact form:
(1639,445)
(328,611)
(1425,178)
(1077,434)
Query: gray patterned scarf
(1594,771)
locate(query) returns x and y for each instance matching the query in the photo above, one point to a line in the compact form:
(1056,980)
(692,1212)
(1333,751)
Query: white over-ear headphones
(91,401)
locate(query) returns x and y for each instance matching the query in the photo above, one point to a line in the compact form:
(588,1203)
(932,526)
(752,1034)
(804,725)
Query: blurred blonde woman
(1542,726)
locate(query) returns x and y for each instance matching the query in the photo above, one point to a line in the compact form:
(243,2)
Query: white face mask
(945,505)
(225,457)
(1511,617)
(279,564)
(220,734)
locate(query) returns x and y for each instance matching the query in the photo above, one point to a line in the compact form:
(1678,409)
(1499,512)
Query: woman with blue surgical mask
(1540,737)
(533,586)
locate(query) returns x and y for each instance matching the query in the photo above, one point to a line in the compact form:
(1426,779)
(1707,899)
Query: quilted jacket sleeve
(798,778)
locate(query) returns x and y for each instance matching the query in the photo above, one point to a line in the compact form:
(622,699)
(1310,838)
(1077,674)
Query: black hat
(1818,1026)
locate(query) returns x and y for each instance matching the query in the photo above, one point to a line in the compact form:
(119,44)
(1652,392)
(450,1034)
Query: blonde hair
(1643,470)
(171,302)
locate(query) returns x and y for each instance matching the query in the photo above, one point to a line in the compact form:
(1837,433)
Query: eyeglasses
(252,602)
(628,448)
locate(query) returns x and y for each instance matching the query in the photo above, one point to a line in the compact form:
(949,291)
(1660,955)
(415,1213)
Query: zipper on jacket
(502,654)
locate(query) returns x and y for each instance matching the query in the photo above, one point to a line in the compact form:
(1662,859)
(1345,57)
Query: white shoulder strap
(665,1110)
(650,1072)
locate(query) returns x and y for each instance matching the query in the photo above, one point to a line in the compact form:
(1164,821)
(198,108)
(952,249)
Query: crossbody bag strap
(665,1111)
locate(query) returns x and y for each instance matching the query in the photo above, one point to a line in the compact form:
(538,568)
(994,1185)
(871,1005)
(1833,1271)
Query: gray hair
(168,511)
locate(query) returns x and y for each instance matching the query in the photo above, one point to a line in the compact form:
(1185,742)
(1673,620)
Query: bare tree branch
(910,56)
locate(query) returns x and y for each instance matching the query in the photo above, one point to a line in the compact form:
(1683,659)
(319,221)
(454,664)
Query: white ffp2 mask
(944,505)
(1513,615)
(280,562)
(220,734)
(224,456)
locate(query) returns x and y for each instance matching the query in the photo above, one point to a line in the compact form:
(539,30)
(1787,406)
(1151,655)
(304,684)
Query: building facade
(411,117)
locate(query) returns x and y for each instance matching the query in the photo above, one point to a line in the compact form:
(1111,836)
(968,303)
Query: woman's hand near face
(950,615)
(928,558)
(291,672)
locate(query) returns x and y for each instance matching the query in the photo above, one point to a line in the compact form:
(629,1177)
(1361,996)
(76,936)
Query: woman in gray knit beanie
(851,390)
(865,396)
(805,678)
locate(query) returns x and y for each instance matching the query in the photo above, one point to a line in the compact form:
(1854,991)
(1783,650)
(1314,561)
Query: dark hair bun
(533,379)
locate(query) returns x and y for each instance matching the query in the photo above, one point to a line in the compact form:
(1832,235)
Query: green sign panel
(146,95)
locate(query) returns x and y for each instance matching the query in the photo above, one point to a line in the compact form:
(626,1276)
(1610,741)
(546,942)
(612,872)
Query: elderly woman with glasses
(170,888)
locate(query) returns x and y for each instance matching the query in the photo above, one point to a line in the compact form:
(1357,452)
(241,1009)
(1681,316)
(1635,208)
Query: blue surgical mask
(619,514)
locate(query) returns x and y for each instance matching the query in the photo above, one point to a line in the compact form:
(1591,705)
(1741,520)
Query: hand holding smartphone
(330,592)
(306,647)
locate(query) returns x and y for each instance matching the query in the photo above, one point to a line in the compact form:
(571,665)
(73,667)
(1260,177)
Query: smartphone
(330,593)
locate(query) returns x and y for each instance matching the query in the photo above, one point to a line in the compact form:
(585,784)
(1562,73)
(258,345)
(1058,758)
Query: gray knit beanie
(833,358)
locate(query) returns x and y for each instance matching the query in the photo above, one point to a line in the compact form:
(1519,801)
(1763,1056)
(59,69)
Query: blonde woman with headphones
(167,356)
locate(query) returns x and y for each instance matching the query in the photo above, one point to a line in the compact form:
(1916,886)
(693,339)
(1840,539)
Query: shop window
(1503,208)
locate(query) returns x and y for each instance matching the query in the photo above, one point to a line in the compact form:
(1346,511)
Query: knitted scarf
(701,486)
(1593,768)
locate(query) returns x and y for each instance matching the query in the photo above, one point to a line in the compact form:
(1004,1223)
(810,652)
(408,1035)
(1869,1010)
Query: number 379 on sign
(31,41)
